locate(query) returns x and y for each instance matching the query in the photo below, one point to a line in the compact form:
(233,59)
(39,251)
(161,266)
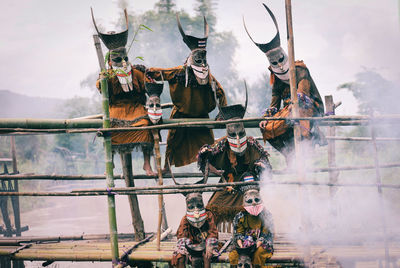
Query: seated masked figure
(193,97)
(253,229)
(280,133)
(127,97)
(231,156)
(197,234)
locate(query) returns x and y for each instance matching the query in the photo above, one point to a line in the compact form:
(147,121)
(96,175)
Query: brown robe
(226,204)
(281,92)
(192,101)
(127,109)
(195,235)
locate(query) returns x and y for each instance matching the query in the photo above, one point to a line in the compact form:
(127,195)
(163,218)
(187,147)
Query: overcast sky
(47,47)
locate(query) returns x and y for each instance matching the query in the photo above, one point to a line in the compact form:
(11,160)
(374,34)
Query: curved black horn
(206,172)
(172,174)
(94,22)
(180,27)
(275,42)
(245,104)
(206,28)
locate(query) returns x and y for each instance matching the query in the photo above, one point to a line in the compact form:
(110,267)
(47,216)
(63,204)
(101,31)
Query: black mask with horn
(118,56)
(277,57)
(197,59)
(195,210)
(236,132)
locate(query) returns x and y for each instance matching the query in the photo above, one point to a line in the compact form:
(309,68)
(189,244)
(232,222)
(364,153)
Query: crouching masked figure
(230,157)
(280,133)
(127,97)
(197,234)
(252,229)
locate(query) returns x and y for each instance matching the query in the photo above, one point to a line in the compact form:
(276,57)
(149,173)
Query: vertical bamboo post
(160,182)
(379,187)
(333,175)
(295,113)
(137,221)
(112,219)
(15,199)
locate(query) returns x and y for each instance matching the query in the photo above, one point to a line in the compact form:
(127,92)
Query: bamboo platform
(97,248)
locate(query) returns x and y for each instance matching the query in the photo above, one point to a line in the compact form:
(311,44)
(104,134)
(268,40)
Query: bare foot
(149,171)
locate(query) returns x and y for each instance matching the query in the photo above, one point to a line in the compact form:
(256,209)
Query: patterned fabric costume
(127,109)
(188,234)
(310,104)
(191,101)
(225,204)
(254,228)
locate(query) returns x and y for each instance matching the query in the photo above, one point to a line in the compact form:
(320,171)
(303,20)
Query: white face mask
(198,62)
(124,75)
(154,110)
(279,63)
(238,145)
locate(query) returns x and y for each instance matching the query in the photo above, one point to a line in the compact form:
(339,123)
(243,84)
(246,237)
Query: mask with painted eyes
(244,261)
(154,110)
(279,63)
(252,202)
(120,64)
(237,137)
(195,211)
(198,62)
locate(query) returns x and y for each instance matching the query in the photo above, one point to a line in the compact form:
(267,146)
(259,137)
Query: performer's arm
(221,95)
(162,73)
(238,229)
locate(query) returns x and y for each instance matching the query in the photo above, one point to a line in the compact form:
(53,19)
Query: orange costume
(310,104)
(127,109)
(190,101)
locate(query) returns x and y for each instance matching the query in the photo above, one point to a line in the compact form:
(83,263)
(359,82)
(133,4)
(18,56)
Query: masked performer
(127,97)
(197,234)
(153,103)
(280,133)
(232,155)
(253,229)
(193,97)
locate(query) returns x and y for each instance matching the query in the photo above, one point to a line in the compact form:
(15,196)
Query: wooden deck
(97,249)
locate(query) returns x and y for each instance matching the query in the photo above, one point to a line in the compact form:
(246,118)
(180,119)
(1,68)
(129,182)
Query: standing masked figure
(127,97)
(193,97)
(197,234)
(230,157)
(280,133)
(253,229)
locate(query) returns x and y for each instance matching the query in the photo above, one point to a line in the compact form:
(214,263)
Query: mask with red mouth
(153,104)
(252,201)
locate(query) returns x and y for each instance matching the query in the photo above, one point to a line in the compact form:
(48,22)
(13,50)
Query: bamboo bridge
(128,249)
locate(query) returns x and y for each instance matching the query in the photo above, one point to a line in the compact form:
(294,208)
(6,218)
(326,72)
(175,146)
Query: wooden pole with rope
(295,113)
(161,209)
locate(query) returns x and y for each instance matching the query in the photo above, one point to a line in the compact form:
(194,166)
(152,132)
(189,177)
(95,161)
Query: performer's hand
(258,244)
(209,253)
(230,189)
(239,243)
(205,149)
(263,124)
(102,75)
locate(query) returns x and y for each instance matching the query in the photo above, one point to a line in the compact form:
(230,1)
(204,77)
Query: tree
(373,92)
(165,6)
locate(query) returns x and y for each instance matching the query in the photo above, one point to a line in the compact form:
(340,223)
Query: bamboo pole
(160,182)
(15,200)
(295,113)
(379,188)
(333,176)
(137,221)
(182,175)
(112,219)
